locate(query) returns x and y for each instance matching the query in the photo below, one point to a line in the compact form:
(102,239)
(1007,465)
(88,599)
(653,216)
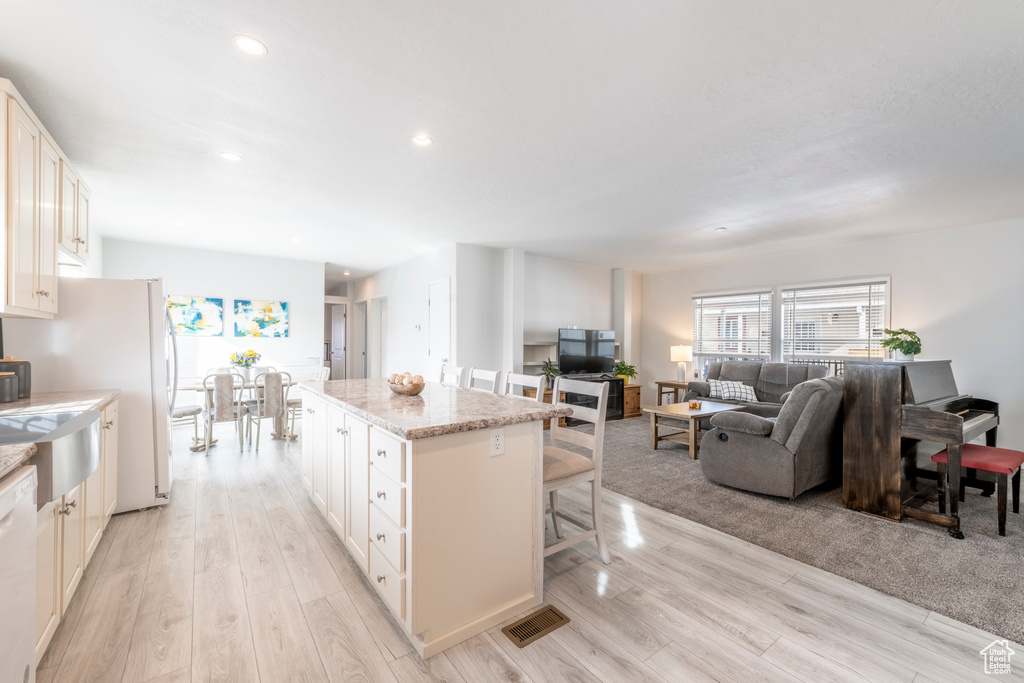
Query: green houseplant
(550,371)
(625,371)
(904,343)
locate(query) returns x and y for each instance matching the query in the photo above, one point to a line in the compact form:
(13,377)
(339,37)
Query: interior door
(440,327)
(378,336)
(358,337)
(339,316)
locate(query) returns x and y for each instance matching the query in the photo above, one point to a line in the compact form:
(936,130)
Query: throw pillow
(733,391)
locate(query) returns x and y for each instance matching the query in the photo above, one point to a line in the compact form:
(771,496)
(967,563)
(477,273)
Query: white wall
(561,293)
(199,272)
(962,290)
(479,294)
(406,287)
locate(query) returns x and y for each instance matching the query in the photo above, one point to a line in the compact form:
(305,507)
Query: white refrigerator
(111,334)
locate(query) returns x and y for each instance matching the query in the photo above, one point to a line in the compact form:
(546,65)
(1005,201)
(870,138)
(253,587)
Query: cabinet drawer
(387,452)
(388,583)
(388,538)
(387,496)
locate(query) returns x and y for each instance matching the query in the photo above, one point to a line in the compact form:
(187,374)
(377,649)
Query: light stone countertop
(14,455)
(438,410)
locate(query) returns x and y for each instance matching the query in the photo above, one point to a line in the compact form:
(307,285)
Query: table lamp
(681,355)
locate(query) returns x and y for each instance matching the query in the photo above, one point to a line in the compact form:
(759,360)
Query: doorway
(439,323)
(358,337)
(336,355)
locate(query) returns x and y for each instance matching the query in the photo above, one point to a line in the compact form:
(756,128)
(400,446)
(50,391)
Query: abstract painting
(261,318)
(196,315)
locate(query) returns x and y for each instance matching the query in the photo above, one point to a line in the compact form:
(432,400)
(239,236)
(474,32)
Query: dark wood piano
(888,409)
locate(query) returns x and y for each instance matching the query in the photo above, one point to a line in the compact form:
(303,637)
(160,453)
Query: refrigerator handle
(174,352)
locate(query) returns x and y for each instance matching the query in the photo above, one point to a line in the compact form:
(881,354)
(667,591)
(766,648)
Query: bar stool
(1002,462)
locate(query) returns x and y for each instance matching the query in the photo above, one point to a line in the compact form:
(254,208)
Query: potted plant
(625,371)
(550,371)
(903,343)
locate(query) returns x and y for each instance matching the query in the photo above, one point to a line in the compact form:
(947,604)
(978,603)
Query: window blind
(733,325)
(840,322)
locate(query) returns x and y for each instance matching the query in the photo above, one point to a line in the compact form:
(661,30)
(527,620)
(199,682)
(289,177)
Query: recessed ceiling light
(230,156)
(422,139)
(722,229)
(346,273)
(250,46)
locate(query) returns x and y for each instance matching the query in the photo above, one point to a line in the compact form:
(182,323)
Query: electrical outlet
(497,442)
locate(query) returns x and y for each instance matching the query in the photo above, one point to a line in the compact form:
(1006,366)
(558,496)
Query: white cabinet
(47,575)
(22,214)
(314,447)
(43,205)
(337,456)
(357,513)
(110,426)
(92,514)
(72,555)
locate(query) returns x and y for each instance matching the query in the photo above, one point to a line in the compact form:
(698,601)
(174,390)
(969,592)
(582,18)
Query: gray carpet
(978,580)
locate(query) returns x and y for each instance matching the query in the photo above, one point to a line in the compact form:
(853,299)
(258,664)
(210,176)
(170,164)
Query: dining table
(280,423)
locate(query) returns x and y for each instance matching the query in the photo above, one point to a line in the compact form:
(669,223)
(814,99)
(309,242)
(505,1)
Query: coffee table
(690,435)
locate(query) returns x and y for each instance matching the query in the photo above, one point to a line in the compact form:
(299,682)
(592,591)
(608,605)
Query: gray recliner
(782,456)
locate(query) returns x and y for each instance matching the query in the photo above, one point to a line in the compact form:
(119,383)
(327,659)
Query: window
(733,325)
(838,322)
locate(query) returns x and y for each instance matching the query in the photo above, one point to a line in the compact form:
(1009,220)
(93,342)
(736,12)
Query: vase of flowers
(244,362)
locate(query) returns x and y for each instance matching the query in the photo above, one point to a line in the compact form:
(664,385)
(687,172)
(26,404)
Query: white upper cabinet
(44,206)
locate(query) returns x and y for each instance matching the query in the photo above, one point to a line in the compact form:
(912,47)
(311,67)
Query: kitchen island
(437,497)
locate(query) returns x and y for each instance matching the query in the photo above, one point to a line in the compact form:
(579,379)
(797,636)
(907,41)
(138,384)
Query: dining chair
(452,375)
(477,377)
(271,401)
(183,415)
(514,380)
(224,395)
(564,468)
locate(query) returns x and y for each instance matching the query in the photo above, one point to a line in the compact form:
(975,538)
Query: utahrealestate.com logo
(997,657)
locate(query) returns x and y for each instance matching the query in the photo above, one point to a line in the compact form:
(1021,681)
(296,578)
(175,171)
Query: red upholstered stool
(1001,461)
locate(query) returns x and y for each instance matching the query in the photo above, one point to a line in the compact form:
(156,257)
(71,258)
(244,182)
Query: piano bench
(1002,462)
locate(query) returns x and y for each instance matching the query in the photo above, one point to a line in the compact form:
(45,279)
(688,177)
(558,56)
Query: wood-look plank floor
(239,579)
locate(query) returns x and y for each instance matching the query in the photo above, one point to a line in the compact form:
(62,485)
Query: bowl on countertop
(407,389)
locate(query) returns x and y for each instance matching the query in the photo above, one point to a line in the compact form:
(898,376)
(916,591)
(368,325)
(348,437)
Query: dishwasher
(18,576)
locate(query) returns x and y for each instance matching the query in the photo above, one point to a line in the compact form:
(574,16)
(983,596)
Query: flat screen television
(586,351)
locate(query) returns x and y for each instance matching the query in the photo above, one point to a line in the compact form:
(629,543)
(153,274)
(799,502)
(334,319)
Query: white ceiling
(618,133)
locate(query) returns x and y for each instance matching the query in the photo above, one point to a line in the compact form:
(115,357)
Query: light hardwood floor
(240,579)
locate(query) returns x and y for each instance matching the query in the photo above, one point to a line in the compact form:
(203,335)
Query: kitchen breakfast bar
(438,498)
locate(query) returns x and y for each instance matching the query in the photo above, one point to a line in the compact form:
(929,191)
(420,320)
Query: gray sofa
(782,456)
(771,382)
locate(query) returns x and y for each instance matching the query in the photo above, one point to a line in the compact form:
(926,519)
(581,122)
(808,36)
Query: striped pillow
(734,391)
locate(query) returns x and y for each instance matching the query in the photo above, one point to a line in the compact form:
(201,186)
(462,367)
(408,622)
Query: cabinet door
(357,496)
(92,499)
(82,222)
(72,550)
(110,424)
(49,213)
(337,450)
(321,464)
(47,576)
(309,438)
(68,207)
(23,194)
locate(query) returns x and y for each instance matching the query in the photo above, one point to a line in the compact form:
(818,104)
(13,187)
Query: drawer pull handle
(380,578)
(64,511)
(381,453)
(381,494)
(108,425)
(342,430)
(380,537)
(73,504)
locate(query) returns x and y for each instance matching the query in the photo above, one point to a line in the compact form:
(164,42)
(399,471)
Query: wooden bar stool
(1001,461)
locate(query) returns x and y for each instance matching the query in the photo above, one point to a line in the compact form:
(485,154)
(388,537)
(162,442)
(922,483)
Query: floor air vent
(537,625)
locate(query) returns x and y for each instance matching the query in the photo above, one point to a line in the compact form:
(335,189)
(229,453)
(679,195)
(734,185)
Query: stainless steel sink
(68,448)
